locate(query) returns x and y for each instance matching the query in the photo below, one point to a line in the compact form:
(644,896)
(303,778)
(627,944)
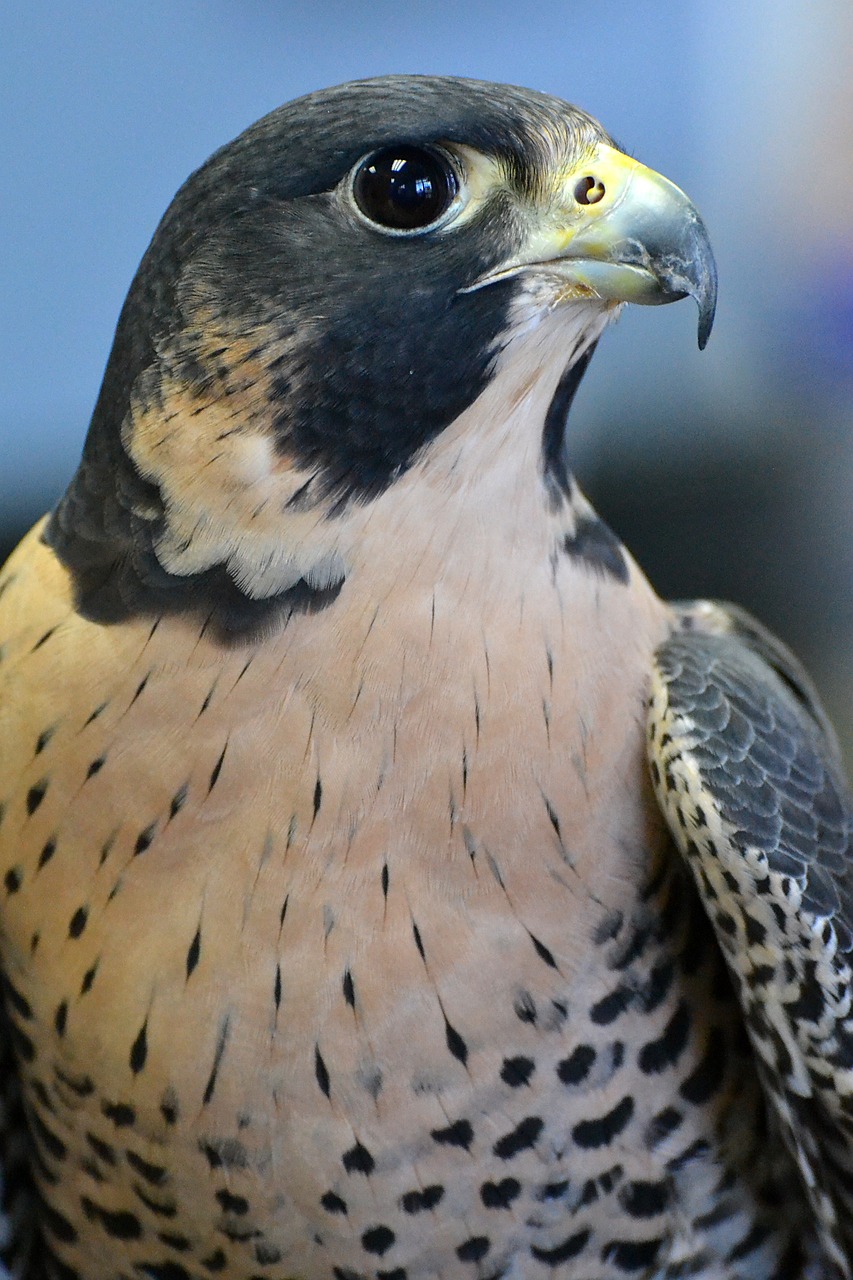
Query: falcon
(392,885)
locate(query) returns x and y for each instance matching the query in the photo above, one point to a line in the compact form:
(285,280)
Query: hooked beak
(618,231)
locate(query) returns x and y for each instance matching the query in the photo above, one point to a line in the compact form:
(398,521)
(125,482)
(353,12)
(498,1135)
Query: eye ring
(405,189)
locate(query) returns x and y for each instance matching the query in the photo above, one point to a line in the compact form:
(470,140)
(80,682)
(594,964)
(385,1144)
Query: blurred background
(728,473)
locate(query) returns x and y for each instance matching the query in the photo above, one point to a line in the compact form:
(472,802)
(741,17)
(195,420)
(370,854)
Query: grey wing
(749,778)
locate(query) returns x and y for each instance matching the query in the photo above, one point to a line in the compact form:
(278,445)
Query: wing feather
(748,775)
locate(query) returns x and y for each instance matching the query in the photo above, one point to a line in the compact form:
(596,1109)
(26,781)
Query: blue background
(729,472)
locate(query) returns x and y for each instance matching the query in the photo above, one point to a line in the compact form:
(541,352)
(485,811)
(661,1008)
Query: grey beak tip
(704,281)
(706,324)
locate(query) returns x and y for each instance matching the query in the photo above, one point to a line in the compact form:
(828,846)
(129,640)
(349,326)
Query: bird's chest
(354,972)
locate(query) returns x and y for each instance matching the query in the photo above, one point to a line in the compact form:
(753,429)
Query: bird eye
(405,188)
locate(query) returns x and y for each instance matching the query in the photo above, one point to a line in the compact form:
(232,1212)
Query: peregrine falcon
(393,886)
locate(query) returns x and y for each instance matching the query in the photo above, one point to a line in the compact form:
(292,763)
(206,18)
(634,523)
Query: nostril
(588,190)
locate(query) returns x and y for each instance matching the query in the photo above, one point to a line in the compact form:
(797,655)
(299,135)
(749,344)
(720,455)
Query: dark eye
(404,188)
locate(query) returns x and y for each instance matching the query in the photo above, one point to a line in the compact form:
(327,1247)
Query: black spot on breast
(458,1134)
(238,1235)
(173,1241)
(348,989)
(500,1195)
(227,1153)
(194,952)
(145,839)
(95,766)
(601,1131)
(120,1113)
(420,1201)
(455,1043)
(102,1149)
(663,1124)
(36,795)
(609,1008)
(644,1199)
(106,848)
(632,1255)
(155,1174)
(230,1203)
(378,1240)
(657,1055)
(48,850)
(658,986)
(169,1107)
(162,1209)
(523,1136)
(543,952)
(178,800)
(43,639)
(88,979)
(358,1160)
(78,922)
(333,1203)
(553,1190)
(139,1050)
(13,880)
(60,1017)
(208,698)
(576,1067)
(217,769)
(94,715)
(570,1248)
(221,1042)
(517,1071)
(121,1225)
(321,1071)
(555,823)
(473,1249)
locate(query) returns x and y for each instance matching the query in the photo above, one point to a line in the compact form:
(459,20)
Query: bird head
(322,301)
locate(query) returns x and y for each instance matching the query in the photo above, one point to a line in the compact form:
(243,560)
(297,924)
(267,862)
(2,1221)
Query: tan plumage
(354,943)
